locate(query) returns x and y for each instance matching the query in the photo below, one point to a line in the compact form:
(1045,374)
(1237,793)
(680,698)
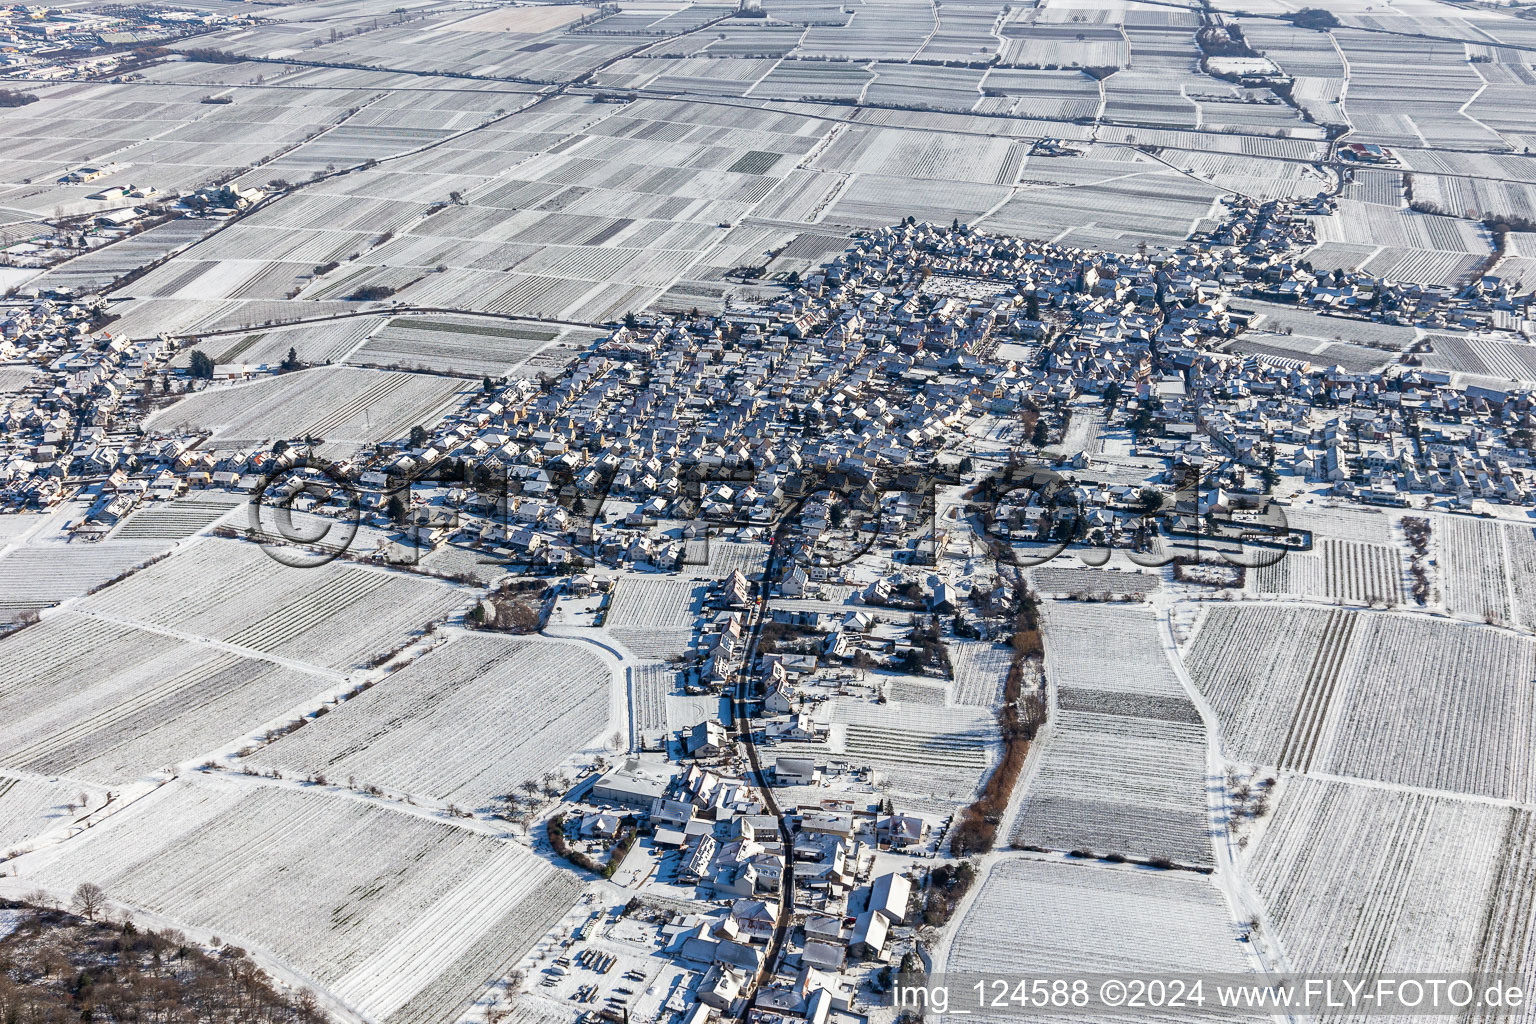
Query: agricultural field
(654,601)
(1396,698)
(1360,878)
(337,616)
(981,672)
(110,703)
(31,807)
(1475,567)
(649,687)
(179,519)
(1484,356)
(462,346)
(1067,581)
(333,403)
(1122,768)
(38,575)
(653,643)
(1076,917)
(923,749)
(464,724)
(326,342)
(1341,570)
(421,914)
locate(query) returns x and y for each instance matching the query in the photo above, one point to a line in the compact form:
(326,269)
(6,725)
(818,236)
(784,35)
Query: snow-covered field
(468,722)
(923,749)
(39,575)
(109,703)
(405,918)
(30,807)
(981,671)
(336,615)
(1064,918)
(645,600)
(1122,768)
(1366,878)
(1397,698)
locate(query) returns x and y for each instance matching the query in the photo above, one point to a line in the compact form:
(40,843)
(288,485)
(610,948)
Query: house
(900,831)
(707,739)
(870,931)
(721,986)
(795,771)
(889,895)
(754,920)
(600,825)
(628,787)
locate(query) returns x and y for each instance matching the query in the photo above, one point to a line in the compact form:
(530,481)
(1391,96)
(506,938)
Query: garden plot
(179,519)
(1123,766)
(39,575)
(337,615)
(404,918)
(1070,918)
(1342,570)
(333,403)
(652,601)
(1394,698)
(981,672)
(30,807)
(466,723)
(922,749)
(109,703)
(1360,878)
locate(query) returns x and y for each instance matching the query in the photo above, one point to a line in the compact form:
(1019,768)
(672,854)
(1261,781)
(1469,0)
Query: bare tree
(88,901)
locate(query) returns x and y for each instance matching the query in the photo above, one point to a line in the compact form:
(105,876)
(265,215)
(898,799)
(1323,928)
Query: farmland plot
(642,600)
(177,520)
(1395,698)
(1053,918)
(457,345)
(109,703)
(1471,562)
(40,575)
(30,807)
(981,672)
(1072,581)
(654,643)
(465,723)
(1366,879)
(312,343)
(649,687)
(941,753)
(336,615)
(1467,353)
(404,918)
(335,403)
(1338,569)
(1123,766)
